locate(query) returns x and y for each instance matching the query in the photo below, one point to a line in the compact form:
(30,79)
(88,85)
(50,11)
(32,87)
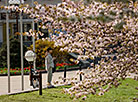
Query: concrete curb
(32,90)
(62,70)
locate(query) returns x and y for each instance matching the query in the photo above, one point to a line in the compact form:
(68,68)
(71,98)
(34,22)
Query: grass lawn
(124,93)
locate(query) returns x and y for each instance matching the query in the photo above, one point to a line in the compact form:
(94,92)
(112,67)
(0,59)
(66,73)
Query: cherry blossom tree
(98,27)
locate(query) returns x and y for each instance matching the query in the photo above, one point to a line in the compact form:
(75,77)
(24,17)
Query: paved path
(16,81)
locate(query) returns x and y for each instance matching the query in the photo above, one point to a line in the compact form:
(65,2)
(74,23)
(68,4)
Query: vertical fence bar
(31,74)
(40,83)
(80,74)
(65,70)
(8,47)
(34,63)
(17,27)
(22,69)
(33,28)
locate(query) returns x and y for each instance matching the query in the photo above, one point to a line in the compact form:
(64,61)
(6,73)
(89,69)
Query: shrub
(15,54)
(40,50)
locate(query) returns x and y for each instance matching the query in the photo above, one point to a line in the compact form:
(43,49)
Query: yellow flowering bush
(40,50)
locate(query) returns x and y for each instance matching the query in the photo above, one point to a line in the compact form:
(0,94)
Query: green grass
(123,93)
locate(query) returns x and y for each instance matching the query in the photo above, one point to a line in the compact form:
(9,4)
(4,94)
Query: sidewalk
(16,81)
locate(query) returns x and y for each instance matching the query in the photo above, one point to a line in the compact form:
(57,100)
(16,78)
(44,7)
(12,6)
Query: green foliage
(104,18)
(119,25)
(41,47)
(113,13)
(15,54)
(91,17)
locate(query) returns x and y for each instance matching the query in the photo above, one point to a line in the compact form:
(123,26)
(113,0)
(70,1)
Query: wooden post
(65,69)
(40,83)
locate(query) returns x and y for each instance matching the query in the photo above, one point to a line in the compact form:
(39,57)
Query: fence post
(40,83)
(31,74)
(65,69)
(80,74)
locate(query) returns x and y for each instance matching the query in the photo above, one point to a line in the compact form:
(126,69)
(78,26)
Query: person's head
(50,50)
